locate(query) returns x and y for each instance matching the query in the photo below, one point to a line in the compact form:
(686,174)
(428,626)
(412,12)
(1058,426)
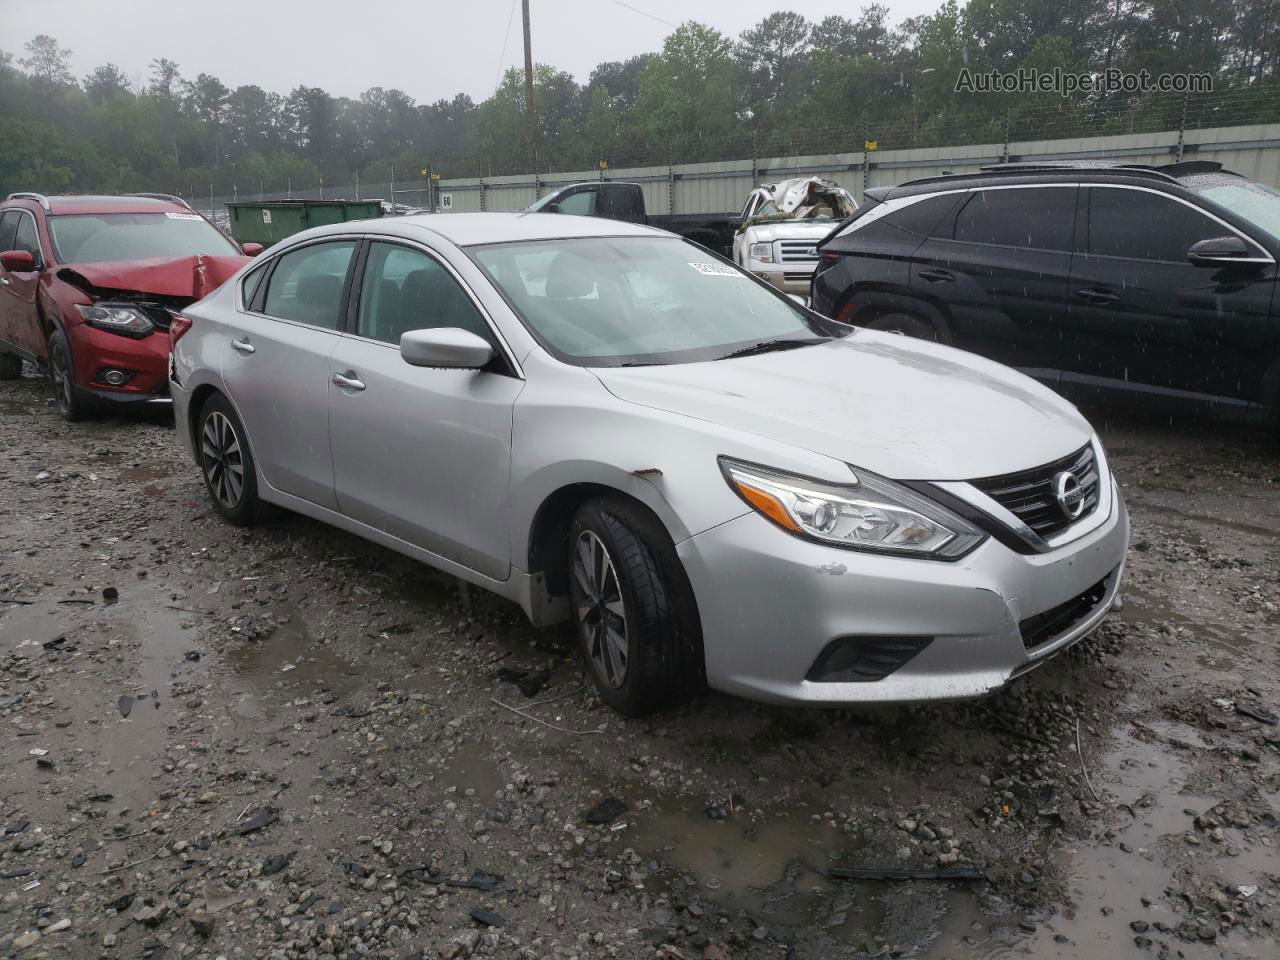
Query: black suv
(1155,281)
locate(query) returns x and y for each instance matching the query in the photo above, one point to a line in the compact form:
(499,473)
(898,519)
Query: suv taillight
(178,325)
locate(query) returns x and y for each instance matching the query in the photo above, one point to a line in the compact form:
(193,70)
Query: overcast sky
(429,49)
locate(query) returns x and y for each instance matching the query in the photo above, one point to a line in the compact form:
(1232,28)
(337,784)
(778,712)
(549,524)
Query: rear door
(19,322)
(276,366)
(998,266)
(423,454)
(1143,318)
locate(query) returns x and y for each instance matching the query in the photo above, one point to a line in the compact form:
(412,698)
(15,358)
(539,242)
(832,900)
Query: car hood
(901,408)
(180,278)
(767,232)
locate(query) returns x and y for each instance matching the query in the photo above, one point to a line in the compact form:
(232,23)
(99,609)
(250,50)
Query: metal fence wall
(722,186)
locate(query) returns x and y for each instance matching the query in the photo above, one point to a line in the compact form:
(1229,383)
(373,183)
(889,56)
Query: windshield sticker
(715,269)
(184,216)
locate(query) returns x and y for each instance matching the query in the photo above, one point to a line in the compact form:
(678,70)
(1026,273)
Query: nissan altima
(613,427)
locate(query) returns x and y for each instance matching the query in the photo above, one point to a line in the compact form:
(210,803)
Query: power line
(645,13)
(505,37)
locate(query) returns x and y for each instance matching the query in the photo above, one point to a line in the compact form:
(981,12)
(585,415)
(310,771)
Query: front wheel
(634,613)
(226,462)
(61,372)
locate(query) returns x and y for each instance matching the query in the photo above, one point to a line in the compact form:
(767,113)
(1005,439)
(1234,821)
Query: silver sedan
(613,427)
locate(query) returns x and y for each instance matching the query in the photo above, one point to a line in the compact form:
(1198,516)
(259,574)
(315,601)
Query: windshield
(1257,203)
(642,300)
(92,238)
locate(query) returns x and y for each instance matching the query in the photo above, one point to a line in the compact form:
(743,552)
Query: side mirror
(17,261)
(252,249)
(551,208)
(1218,250)
(449,347)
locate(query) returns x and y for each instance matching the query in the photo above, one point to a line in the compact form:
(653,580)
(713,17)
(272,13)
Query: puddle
(288,659)
(125,747)
(770,866)
(1146,773)
(471,772)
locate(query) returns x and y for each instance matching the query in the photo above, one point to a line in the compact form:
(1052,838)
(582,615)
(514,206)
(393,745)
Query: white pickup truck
(781,224)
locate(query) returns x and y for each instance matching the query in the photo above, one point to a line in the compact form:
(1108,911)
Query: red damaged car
(87,285)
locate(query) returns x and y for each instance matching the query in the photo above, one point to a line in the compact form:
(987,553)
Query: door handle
(348,381)
(1095,295)
(4,281)
(935,276)
(243,346)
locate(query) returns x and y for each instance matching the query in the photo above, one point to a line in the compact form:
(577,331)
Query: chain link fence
(1018,127)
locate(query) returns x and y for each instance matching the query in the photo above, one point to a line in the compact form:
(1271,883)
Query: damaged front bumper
(791,621)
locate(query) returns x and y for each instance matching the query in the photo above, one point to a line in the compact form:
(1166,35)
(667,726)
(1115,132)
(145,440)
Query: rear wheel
(634,614)
(226,462)
(71,404)
(904,323)
(10,366)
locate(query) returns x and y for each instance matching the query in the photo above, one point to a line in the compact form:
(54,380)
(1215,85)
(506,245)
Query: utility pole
(531,121)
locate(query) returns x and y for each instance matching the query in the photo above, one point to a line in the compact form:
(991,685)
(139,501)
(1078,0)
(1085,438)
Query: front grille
(1029,495)
(1053,623)
(796,276)
(864,659)
(798,251)
(156,313)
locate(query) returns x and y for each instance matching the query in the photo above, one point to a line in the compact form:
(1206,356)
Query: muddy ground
(285,742)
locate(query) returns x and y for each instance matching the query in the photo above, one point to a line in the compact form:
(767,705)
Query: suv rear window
(1037,218)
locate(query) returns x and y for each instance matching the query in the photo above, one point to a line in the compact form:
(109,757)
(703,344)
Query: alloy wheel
(223,461)
(602,614)
(61,375)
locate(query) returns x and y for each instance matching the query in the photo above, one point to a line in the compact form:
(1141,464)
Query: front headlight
(117,318)
(762,252)
(870,513)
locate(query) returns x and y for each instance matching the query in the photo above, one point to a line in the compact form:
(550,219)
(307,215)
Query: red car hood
(186,278)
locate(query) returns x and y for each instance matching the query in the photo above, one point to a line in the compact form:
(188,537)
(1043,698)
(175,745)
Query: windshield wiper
(769,346)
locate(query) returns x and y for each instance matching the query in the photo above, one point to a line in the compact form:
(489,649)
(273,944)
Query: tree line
(704,95)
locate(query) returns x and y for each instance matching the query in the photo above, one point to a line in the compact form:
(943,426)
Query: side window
(1140,225)
(404,289)
(1037,218)
(25,238)
(8,227)
(306,284)
(582,203)
(924,215)
(251,283)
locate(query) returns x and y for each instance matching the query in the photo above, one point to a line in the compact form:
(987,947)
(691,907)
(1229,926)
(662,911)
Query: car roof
(93,203)
(1059,171)
(469,229)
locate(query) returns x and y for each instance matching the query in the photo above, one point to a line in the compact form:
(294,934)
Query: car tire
(71,404)
(905,324)
(226,463)
(10,366)
(634,615)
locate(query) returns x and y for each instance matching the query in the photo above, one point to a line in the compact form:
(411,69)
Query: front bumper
(787,277)
(771,604)
(146,360)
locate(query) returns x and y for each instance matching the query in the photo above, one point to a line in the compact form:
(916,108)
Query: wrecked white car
(781,226)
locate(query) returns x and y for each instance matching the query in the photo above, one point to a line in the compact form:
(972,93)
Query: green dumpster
(269,221)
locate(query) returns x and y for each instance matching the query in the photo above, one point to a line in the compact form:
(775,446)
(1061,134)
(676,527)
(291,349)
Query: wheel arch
(874,302)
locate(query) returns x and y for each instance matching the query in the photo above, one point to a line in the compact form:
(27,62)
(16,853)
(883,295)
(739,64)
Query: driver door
(1142,318)
(19,323)
(423,454)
